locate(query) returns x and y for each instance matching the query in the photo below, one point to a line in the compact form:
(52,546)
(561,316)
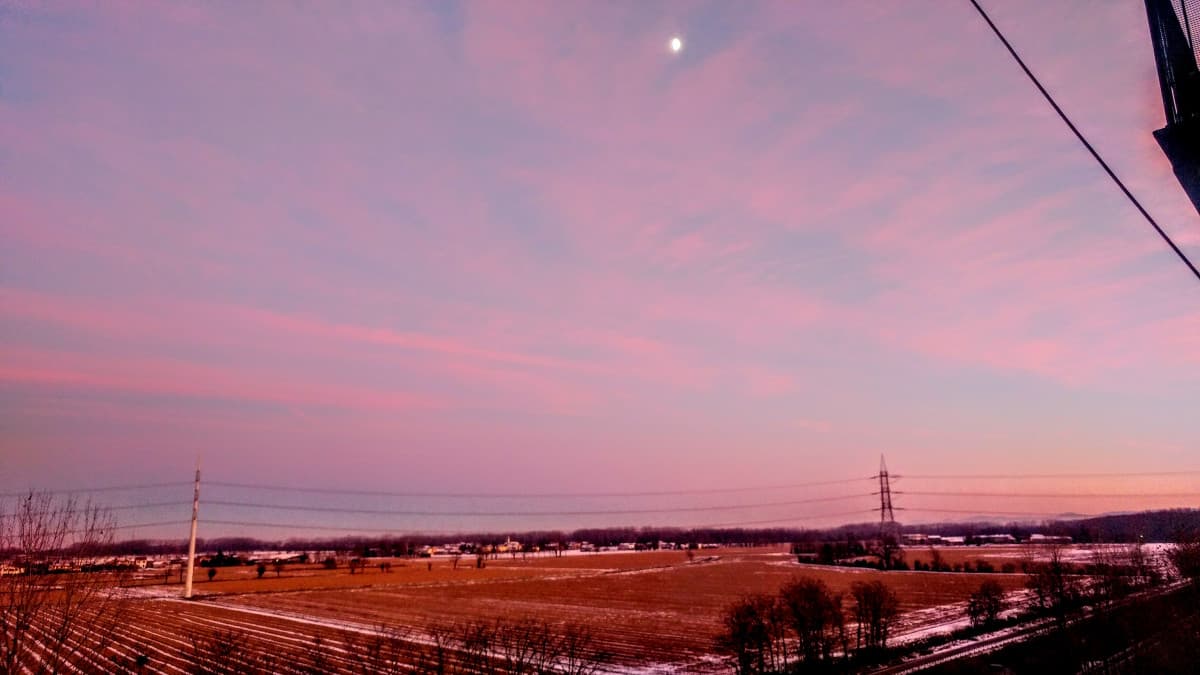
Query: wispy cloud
(530,226)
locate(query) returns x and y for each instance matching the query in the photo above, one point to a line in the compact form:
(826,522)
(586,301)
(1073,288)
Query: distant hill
(1164,525)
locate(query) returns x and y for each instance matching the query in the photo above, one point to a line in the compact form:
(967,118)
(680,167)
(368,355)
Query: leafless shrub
(134,664)
(526,645)
(517,643)
(314,658)
(474,642)
(442,639)
(384,652)
(547,650)
(579,653)
(228,652)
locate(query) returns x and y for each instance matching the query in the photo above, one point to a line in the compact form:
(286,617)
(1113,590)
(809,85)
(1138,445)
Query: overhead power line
(100,509)
(309,526)
(529,495)
(492,513)
(108,488)
(990,512)
(771,521)
(1079,135)
(100,530)
(158,524)
(1055,495)
(1022,476)
(395,530)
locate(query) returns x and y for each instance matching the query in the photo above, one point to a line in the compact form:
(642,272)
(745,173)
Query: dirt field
(645,607)
(995,554)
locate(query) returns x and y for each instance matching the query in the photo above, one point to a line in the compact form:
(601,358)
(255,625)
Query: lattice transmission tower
(887,517)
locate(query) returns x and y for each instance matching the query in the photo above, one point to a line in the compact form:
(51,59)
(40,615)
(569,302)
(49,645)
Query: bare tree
(62,598)
(1144,566)
(935,560)
(1054,584)
(875,608)
(890,553)
(984,605)
(815,616)
(749,637)
(1113,577)
(1185,558)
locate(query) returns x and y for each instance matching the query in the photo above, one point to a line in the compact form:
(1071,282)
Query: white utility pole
(191,561)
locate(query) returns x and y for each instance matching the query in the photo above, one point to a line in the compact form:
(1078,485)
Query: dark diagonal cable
(1050,99)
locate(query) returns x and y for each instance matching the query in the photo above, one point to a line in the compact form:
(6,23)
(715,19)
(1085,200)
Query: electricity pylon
(887,517)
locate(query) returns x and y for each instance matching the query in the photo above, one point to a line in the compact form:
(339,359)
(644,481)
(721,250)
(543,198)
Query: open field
(645,607)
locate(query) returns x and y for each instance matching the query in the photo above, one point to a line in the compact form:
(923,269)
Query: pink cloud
(166,376)
(534,228)
(766,384)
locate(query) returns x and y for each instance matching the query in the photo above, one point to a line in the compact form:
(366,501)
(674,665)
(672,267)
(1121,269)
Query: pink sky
(466,247)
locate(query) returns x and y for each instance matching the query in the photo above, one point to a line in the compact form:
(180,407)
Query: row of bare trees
(1115,572)
(803,627)
(499,647)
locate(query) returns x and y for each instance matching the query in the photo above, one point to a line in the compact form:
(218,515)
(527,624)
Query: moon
(676,44)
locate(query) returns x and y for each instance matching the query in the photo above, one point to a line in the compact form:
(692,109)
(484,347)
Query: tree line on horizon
(1159,525)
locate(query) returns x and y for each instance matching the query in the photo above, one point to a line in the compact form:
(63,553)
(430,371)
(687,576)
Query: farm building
(1049,539)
